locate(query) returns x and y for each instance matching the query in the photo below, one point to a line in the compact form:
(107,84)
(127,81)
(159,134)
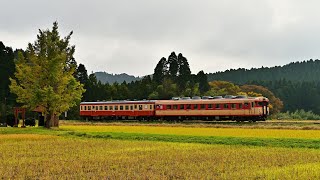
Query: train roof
(208,101)
(118,102)
(179,101)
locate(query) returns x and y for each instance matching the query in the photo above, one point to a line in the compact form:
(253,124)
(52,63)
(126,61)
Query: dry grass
(22,137)
(76,158)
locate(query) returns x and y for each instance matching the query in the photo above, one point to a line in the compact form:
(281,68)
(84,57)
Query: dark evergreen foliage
(30,122)
(295,95)
(295,71)
(173,65)
(7,69)
(202,79)
(184,71)
(297,84)
(160,71)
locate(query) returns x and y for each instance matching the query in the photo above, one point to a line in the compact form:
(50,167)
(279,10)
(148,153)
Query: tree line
(297,84)
(304,71)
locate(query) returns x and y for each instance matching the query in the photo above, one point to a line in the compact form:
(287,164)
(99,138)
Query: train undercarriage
(177,118)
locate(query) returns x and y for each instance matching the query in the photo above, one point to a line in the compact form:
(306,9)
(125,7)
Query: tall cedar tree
(203,82)
(184,71)
(44,77)
(160,71)
(82,76)
(7,69)
(173,65)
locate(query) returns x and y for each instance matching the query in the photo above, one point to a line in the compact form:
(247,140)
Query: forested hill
(111,78)
(296,72)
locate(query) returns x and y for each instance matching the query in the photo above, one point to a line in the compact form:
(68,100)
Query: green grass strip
(244,141)
(247,141)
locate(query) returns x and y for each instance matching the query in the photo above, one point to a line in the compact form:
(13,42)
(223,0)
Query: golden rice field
(199,131)
(35,153)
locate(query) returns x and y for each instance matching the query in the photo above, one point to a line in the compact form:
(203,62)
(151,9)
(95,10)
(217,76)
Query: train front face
(262,107)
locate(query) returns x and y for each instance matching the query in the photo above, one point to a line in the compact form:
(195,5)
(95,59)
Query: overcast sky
(132,35)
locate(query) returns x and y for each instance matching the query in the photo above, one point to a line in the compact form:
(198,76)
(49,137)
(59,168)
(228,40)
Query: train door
(265,108)
(253,110)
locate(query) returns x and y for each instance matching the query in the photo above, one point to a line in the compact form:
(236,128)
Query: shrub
(10,120)
(298,114)
(30,122)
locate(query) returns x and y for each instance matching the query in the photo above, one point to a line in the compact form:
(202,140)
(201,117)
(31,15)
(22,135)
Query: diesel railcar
(117,110)
(237,109)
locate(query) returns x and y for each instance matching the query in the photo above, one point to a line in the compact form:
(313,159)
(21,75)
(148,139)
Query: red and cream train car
(238,109)
(117,109)
(214,109)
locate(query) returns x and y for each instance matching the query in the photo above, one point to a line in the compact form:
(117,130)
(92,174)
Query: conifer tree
(173,65)
(160,71)
(184,71)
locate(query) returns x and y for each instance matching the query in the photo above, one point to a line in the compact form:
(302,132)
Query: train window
(131,107)
(217,106)
(111,108)
(240,106)
(100,108)
(181,106)
(195,106)
(150,106)
(106,108)
(233,106)
(168,106)
(116,108)
(188,106)
(135,106)
(252,104)
(80,108)
(89,108)
(85,107)
(175,106)
(209,106)
(225,106)
(246,104)
(121,107)
(140,107)
(202,106)
(146,106)
(127,107)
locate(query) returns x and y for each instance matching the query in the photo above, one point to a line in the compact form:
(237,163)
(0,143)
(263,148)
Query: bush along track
(246,141)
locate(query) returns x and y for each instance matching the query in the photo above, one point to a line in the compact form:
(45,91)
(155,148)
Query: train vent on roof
(185,98)
(175,98)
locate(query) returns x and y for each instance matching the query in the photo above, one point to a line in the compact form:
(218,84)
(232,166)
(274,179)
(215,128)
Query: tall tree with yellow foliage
(44,77)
